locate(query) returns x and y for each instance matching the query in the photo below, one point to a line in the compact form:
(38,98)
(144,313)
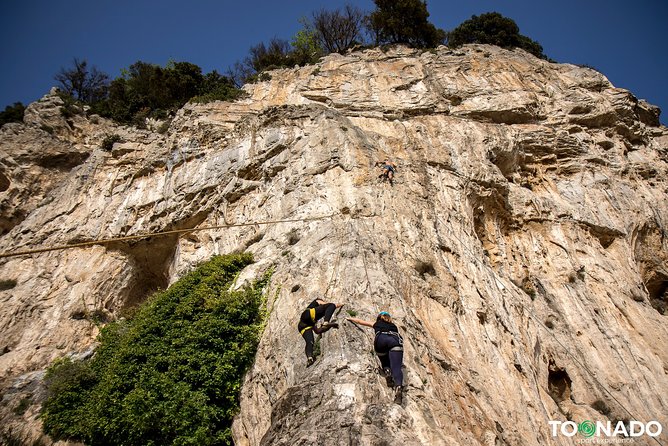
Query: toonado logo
(588,428)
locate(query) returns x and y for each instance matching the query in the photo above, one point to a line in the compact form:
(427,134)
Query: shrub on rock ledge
(169,375)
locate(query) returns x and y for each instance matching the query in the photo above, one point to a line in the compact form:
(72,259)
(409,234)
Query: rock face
(522,251)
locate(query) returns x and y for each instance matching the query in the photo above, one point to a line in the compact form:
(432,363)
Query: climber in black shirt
(388,345)
(318,309)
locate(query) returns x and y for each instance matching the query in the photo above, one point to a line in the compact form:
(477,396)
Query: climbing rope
(154,234)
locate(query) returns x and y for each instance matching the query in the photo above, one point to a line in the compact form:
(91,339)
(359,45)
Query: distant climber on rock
(316,310)
(388,168)
(389,346)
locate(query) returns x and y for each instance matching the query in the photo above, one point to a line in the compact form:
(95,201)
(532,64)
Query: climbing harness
(395,335)
(312,314)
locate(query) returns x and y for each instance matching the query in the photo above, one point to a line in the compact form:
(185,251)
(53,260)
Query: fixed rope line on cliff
(28,252)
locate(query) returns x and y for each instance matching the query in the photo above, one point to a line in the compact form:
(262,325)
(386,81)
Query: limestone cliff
(522,250)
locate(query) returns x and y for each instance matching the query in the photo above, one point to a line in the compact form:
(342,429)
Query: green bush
(216,87)
(306,44)
(69,385)
(404,21)
(171,375)
(277,54)
(71,106)
(109,141)
(494,29)
(12,113)
(150,91)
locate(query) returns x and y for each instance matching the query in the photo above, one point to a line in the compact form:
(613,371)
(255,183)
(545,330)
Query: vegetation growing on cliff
(82,83)
(494,29)
(405,22)
(394,21)
(143,90)
(146,90)
(12,113)
(150,91)
(172,373)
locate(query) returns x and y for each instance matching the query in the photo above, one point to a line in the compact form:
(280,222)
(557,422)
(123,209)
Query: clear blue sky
(624,39)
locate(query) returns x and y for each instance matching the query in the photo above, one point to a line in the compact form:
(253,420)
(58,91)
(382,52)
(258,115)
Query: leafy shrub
(306,44)
(69,385)
(148,90)
(109,141)
(47,128)
(12,113)
(171,374)
(164,127)
(22,406)
(494,29)
(216,87)
(276,54)
(70,106)
(404,21)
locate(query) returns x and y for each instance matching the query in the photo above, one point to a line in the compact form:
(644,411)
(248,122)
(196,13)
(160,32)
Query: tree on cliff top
(276,54)
(340,29)
(404,21)
(494,29)
(84,84)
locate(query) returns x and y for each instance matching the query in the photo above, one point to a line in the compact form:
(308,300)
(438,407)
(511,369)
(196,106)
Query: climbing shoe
(387,373)
(309,361)
(398,394)
(328,325)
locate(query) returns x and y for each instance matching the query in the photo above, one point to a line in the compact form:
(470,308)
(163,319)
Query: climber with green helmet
(389,347)
(316,310)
